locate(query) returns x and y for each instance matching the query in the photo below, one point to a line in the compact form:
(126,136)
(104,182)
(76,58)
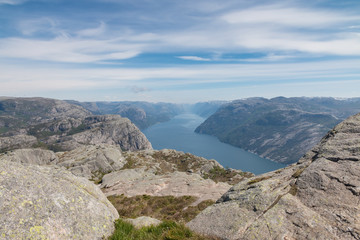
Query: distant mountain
(281,129)
(142,114)
(206,109)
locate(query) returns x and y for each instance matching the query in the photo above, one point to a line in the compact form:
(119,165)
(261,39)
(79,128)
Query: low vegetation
(259,179)
(160,207)
(167,230)
(219,174)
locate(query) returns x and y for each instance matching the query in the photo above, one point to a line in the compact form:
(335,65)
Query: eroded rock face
(42,202)
(317,198)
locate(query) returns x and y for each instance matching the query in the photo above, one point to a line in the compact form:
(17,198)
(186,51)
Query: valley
(109,166)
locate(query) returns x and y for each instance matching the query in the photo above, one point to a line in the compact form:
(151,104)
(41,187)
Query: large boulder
(317,198)
(48,202)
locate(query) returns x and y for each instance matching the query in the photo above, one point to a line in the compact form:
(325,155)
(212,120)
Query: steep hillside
(281,129)
(317,198)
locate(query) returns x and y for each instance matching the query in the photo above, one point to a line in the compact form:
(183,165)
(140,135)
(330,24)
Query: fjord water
(179,134)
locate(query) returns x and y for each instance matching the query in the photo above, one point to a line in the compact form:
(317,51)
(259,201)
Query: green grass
(160,207)
(167,230)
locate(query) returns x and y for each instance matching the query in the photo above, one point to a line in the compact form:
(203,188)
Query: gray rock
(143,221)
(112,129)
(132,182)
(318,198)
(18,141)
(41,202)
(92,162)
(31,156)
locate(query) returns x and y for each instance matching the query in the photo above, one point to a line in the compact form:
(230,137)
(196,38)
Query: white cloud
(194,58)
(91,32)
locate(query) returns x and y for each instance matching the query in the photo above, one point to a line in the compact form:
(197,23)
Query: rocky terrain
(316,198)
(191,181)
(281,129)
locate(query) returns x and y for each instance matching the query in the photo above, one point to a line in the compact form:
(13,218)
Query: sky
(179,51)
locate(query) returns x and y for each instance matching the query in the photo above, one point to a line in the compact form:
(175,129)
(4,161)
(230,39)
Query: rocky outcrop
(281,129)
(92,162)
(112,129)
(17,141)
(31,156)
(317,198)
(133,182)
(41,202)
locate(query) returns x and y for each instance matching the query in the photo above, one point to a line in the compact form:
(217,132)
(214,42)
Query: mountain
(281,129)
(142,114)
(60,126)
(316,198)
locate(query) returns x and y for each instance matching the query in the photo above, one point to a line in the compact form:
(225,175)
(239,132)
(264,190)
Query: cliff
(316,198)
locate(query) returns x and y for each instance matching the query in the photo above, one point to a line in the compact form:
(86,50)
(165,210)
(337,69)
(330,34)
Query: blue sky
(179,51)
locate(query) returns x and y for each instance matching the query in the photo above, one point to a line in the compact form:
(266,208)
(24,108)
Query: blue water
(179,134)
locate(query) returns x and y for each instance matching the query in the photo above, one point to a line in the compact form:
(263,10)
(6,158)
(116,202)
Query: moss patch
(256,180)
(298,172)
(159,207)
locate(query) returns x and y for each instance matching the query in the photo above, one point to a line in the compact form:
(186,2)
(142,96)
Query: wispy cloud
(66,50)
(289,16)
(194,58)
(93,31)
(12,2)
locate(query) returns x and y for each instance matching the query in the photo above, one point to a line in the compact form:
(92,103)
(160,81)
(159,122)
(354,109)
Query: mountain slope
(281,129)
(317,198)
(60,126)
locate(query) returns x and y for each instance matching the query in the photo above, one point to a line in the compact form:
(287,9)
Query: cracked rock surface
(317,198)
(48,202)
